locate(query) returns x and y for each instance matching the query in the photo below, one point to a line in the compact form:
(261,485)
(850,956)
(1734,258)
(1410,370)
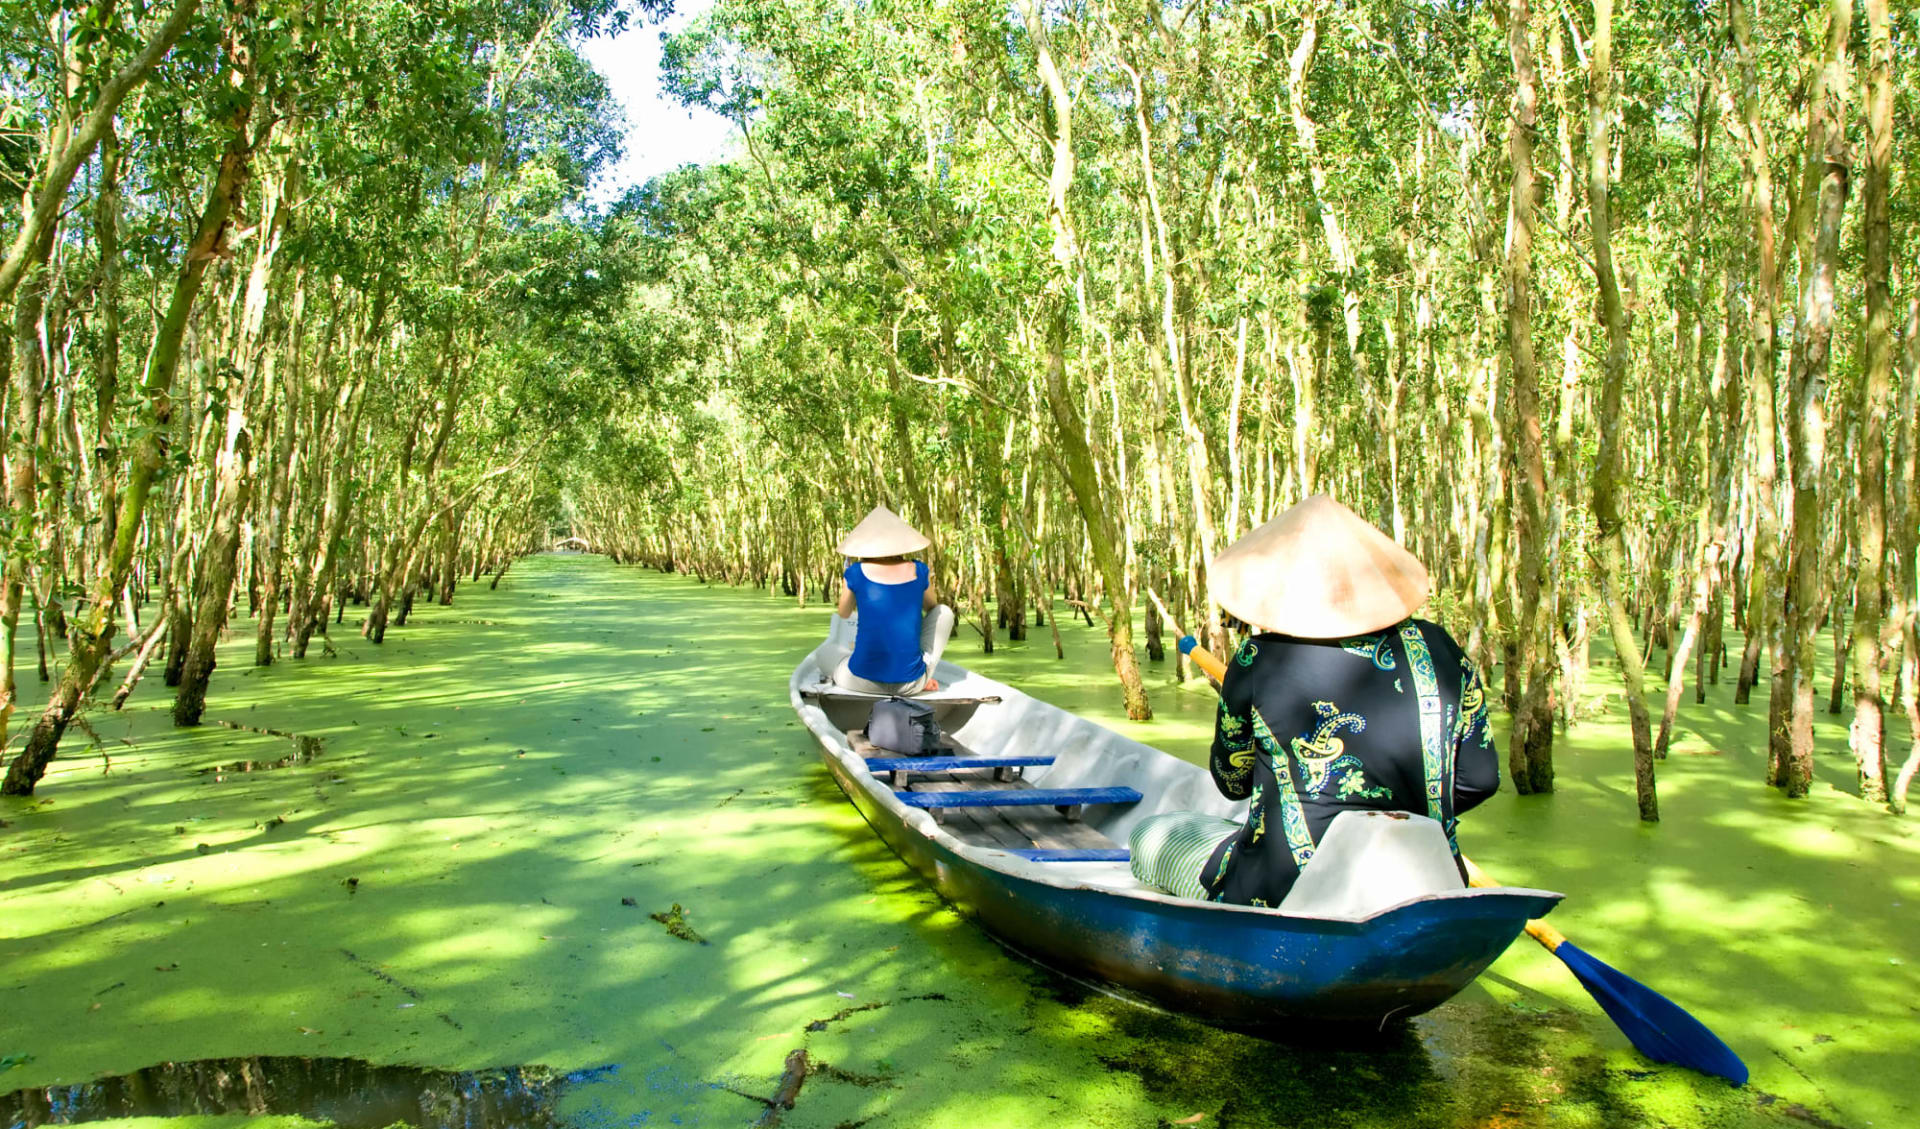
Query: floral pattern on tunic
(1326,768)
(1236,737)
(1373,648)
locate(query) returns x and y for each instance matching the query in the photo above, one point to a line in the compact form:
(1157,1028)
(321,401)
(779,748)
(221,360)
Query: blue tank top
(886,639)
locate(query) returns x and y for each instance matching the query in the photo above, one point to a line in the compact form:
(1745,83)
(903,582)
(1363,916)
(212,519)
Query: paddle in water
(1656,1026)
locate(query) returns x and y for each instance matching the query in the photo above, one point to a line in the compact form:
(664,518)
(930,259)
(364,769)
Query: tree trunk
(180,585)
(1530,748)
(1902,634)
(278,519)
(140,660)
(312,611)
(1792,769)
(106,226)
(22,461)
(1867,734)
(1756,161)
(1606,472)
(217,558)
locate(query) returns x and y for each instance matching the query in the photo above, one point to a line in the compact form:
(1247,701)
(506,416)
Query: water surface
(516,792)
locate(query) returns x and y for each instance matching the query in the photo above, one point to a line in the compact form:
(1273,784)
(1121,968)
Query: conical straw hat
(1318,571)
(882,534)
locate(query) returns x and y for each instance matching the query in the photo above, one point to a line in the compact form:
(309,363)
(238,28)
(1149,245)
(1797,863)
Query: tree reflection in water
(351,1093)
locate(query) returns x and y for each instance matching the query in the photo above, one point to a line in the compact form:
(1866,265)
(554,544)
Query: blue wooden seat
(895,767)
(1070,854)
(1068,801)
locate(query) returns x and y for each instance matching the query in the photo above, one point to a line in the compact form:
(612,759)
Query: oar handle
(1206,660)
(1539,930)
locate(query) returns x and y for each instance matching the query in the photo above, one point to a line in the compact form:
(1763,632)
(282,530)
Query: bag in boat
(902,725)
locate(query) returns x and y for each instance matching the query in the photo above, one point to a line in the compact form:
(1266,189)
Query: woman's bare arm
(928,601)
(846,602)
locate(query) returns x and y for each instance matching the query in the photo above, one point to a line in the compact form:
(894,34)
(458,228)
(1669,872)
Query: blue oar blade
(1657,1026)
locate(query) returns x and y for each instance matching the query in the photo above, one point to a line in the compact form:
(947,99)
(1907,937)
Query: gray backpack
(902,725)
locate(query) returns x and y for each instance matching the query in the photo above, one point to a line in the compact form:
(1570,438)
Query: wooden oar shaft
(1154,598)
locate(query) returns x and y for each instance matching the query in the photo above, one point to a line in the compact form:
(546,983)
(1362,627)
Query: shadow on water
(350,1093)
(1453,1068)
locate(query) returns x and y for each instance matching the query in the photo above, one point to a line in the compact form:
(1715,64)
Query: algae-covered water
(570,829)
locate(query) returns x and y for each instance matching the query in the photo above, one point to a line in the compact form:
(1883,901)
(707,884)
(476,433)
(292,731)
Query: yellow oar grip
(1208,663)
(1539,930)
(1546,934)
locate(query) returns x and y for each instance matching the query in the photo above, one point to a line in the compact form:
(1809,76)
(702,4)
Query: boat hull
(1240,973)
(1235,966)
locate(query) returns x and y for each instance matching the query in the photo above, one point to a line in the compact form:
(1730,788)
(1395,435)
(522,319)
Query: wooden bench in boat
(1072,854)
(1008,828)
(1003,828)
(1067,801)
(896,767)
(955,758)
(827,691)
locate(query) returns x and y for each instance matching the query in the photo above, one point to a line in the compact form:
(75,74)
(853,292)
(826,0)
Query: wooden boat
(1022,823)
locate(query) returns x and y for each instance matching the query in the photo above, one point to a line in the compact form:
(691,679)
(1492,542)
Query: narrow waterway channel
(573,823)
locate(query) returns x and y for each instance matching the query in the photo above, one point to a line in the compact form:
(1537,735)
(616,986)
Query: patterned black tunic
(1309,728)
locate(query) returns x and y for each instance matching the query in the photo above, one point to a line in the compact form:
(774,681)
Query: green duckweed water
(509,791)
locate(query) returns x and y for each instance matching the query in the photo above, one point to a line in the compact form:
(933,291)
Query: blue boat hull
(1237,966)
(1230,966)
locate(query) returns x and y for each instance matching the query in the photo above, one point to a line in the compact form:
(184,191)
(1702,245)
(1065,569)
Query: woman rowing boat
(1339,701)
(903,627)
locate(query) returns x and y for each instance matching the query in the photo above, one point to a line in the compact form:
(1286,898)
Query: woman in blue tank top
(902,627)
